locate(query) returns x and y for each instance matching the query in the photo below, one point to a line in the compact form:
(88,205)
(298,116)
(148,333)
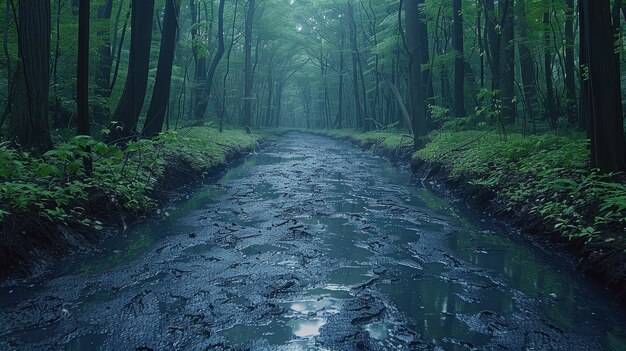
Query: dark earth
(312,245)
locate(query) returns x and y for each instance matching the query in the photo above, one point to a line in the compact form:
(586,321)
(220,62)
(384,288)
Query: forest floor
(50,206)
(311,244)
(541,184)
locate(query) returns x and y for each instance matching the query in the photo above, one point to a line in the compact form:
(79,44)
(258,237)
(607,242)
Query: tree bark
(506,67)
(570,82)
(247,98)
(355,68)
(217,57)
(416,88)
(103,72)
(342,68)
(131,102)
(459,63)
(550,107)
(161,93)
(527,69)
(82,74)
(28,127)
(600,87)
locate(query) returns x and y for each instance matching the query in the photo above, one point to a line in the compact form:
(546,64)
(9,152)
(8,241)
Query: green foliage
(388,141)
(56,188)
(544,174)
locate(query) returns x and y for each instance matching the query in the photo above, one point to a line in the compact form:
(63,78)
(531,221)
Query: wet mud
(312,245)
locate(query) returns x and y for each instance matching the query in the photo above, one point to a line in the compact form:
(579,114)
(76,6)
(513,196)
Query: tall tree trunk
(570,82)
(342,67)
(82,82)
(82,74)
(481,44)
(355,66)
(526,63)
(161,93)
(29,122)
(247,98)
(217,57)
(550,107)
(199,100)
(9,63)
(427,73)
(227,70)
(506,68)
(416,88)
(459,62)
(103,71)
(600,87)
(129,107)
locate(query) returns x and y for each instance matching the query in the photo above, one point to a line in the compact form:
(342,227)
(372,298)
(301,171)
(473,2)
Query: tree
(550,104)
(247,98)
(28,127)
(459,61)
(602,108)
(129,106)
(417,94)
(527,70)
(105,62)
(161,93)
(570,82)
(82,74)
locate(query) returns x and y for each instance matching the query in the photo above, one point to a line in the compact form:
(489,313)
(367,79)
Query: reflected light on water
(308,328)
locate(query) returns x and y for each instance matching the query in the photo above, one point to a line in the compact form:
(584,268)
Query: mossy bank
(542,184)
(51,205)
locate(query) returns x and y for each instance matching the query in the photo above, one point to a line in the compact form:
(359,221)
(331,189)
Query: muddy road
(312,245)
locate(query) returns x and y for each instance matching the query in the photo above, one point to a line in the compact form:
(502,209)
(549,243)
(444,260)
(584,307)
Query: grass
(54,188)
(547,175)
(386,141)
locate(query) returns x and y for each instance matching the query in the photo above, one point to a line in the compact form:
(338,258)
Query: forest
(459,164)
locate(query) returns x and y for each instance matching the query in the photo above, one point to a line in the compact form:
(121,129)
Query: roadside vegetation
(52,194)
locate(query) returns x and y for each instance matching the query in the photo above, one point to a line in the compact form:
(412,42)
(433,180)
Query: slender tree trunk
(427,73)
(131,102)
(103,71)
(9,63)
(161,93)
(527,69)
(342,68)
(550,107)
(217,57)
(600,87)
(507,61)
(459,62)
(58,119)
(570,82)
(481,44)
(82,74)
(199,100)
(247,99)
(416,88)
(82,82)
(120,46)
(227,71)
(355,66)
(29,121)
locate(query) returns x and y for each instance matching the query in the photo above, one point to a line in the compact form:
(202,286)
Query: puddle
(276,333)
(261,249)
(350,275)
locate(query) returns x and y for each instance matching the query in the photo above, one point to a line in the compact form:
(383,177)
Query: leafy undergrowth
(545,175)
(39,195)
(390,143)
